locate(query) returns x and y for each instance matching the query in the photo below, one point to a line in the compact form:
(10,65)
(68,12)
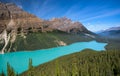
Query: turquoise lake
(19,60)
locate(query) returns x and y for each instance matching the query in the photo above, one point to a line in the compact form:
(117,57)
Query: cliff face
(4,17)
(66,25)
(20,18)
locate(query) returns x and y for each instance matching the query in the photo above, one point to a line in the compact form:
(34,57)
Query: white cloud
(81,12)
(106,14)
(45,9)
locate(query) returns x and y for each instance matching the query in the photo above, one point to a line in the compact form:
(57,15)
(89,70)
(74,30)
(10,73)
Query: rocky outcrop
(22,19)
(60,43)
(67,25)
(4,21)
(4,17)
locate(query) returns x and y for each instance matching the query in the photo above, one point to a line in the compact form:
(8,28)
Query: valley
(32,46)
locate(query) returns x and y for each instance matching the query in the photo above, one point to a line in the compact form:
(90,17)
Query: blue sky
(94,14)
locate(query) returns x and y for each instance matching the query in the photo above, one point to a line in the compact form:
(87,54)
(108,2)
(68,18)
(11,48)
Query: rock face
(4,17)
(21,18)
(67,25)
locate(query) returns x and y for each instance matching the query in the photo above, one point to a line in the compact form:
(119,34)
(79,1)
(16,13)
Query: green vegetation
(34,41)
(113,43)
(2,74)
(44,40)
(30,68)
(85,63)
(10,71)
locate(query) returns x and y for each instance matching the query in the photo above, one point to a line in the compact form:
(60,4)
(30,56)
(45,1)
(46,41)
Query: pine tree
(57,71)
(2,74)
(10,71)
(30,68)
(30,64)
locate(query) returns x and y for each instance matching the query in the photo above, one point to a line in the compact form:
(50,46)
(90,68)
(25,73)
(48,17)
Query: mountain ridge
(16,23)
(26,20)
(113,32)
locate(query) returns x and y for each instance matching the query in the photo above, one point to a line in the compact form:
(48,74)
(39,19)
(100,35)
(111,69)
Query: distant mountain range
(113,28)
(113,32)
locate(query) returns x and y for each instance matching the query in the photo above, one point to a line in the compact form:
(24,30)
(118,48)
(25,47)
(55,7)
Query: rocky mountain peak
(113,28)
(65,24)
(15,15)
(11,14)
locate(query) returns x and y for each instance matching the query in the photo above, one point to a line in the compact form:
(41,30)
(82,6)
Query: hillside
(34,41)
(85,63)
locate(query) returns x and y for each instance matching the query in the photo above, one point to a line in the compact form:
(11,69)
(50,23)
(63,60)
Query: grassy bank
(85,63)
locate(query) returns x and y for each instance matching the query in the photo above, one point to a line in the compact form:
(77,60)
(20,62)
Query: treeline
(11,71)
(85,63)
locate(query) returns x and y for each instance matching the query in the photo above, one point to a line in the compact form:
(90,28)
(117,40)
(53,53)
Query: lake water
(19,60)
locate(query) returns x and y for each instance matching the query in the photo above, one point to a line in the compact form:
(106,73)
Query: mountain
(113,28)
(13,20)
(20,30)
(67,25)
(26,21)
(10,11)
(113,32)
